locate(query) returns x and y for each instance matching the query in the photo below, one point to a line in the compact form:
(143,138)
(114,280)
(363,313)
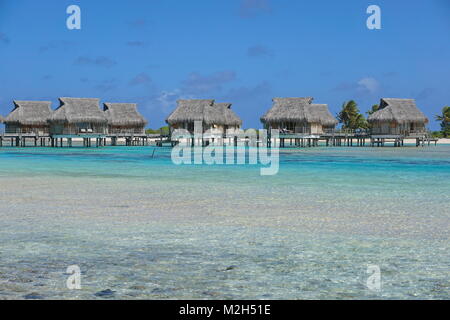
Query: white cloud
(141,78)
(167,100)
(197,83)
(368,84)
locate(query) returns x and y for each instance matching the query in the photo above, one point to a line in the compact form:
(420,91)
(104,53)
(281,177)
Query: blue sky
(246,52)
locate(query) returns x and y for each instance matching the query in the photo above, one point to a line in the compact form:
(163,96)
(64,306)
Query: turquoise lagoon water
(143,228)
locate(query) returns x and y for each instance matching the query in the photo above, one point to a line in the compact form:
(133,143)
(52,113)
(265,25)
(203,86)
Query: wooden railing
(79,131)
(123,131)
(401,131)
(26,131)
(346,131)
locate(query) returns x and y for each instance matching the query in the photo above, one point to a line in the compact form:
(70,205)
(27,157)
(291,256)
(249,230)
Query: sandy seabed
(142,228)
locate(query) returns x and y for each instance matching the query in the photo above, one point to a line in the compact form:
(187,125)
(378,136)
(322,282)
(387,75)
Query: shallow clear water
(144,228)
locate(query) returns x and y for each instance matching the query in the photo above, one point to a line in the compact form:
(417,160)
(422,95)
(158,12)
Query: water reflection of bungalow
(124,118)
(78,116)
(216,118)
(398,117)
(299,115)
(28,117)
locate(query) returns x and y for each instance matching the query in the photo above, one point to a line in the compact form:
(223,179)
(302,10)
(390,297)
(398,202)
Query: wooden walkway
(67,140)
(336,139)
(284,140)
(330,139)
(349,139)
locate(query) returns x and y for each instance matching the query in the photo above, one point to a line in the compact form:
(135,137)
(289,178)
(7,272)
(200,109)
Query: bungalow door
(190,127)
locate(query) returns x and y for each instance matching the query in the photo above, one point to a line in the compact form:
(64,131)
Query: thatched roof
(324,114)
(75,110)
(298,110)
(203,110)
(189,111)
(231,118)
(123,114)
(30,113)
(398,110)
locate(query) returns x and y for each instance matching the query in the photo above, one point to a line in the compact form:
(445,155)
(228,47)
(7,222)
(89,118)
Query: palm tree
(374,109)
(350,117)
(445,121)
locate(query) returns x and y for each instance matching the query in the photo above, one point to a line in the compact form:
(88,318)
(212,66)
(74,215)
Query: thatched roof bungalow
(299,115)
(29,117)
(216,117)
(124,118)
(78,116)
(398,117)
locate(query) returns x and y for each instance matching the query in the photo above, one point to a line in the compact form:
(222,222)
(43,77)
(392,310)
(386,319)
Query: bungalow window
(290,126)
(84,125)
(303,127)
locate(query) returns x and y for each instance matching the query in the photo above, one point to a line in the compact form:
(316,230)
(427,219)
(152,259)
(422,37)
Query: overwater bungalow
(77,116)
(299,116)
(216,117)
(28,117)
(124,118)
(398,117)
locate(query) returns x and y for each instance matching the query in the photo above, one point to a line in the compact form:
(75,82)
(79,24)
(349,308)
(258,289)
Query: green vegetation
(164,130)
(374,109)
(445,122)
(350,117)
(437,134)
